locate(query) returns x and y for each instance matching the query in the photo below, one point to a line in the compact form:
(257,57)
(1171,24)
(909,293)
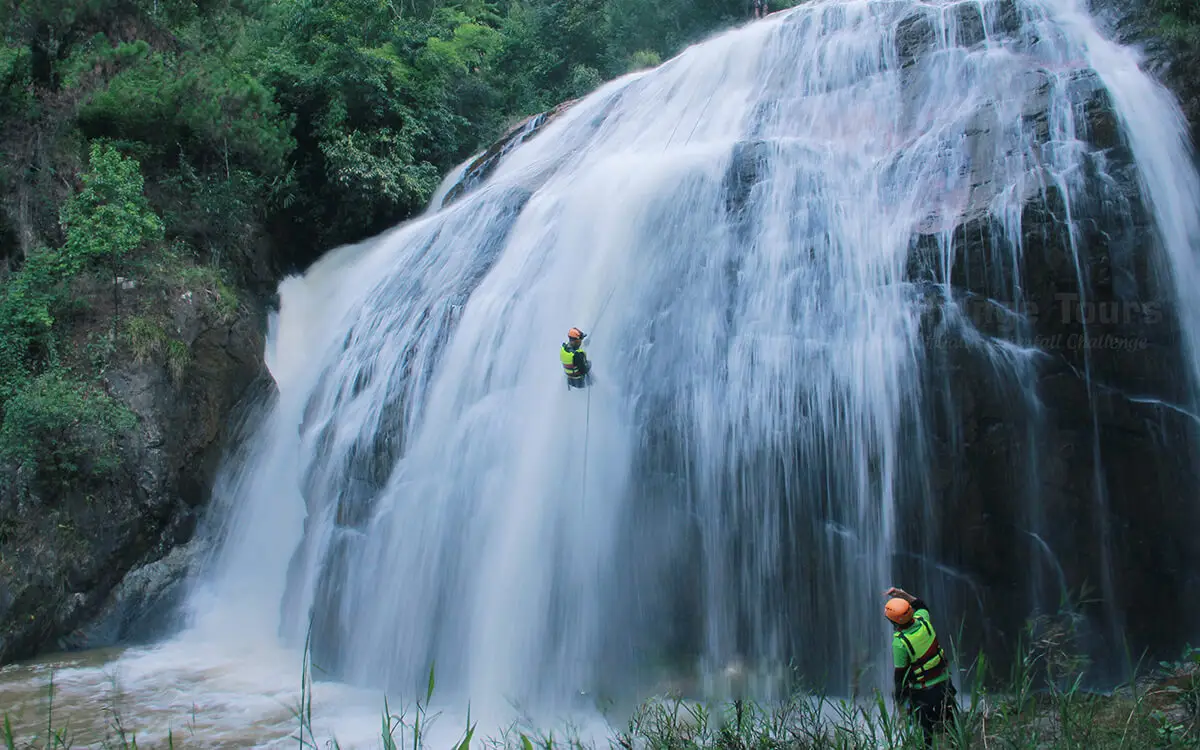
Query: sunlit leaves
(109,217)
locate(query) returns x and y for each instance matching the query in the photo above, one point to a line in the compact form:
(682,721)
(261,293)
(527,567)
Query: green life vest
(926,662)
(567,357)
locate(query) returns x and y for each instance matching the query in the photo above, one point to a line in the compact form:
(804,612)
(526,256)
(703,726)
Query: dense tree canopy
(149,146)
(323,120)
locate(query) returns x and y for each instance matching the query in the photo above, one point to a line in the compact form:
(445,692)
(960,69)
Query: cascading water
(769,241)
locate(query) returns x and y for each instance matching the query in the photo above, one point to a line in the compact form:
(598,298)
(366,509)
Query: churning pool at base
(224,695)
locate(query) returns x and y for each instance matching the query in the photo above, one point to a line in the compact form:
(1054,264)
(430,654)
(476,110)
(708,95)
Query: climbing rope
(586,429)
(695,125)
(604,307)
(587,422)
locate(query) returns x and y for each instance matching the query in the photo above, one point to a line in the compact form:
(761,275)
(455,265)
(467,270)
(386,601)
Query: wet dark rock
(969,25)
(482,167)
(65,577)
(1098,122)
(746,169)
(915,36)
(1003,17)
(966,24)
(328,627)
(1091,484)
(146,604)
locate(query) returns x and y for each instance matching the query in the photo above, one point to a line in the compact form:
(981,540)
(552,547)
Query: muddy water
(177,690)
(192,693)
(199,691)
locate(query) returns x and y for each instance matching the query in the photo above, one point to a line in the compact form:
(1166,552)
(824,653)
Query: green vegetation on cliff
(1178,22)
(56,423)
(158,146)
(1170,31)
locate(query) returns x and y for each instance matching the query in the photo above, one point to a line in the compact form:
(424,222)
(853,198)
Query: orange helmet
(898,611)
(574,334)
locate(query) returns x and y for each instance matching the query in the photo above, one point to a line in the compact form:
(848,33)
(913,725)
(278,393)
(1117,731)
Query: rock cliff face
(1095,455)
(1053,444)
(483,165)
(1089,447)
(65,579)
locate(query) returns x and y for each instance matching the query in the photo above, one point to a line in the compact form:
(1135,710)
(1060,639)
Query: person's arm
(916,602)
(581,362)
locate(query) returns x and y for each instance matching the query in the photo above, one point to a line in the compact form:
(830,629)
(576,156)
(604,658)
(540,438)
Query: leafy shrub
(149,341)
(210,282)
(27,302)
(644,59)
(584,79)
(61,429)
(217,116)
(110,217)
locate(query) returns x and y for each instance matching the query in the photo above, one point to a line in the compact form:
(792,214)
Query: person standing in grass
(922,672)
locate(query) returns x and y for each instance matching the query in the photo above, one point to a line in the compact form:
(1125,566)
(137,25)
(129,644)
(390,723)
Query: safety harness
(919,676)
(567,356)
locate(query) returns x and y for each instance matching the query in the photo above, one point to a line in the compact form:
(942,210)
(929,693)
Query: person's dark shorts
(934,707)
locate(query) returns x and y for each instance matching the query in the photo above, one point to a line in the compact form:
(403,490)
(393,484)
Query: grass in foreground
(1041,706)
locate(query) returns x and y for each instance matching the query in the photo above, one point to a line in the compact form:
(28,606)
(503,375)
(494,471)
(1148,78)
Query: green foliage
(376,167)
(175,273)
(210,283)
(27,302)
(54,424)
(109,218)
(1183,684)
(320,121)
(584,79)
(386,97)
(146,337)
(61,428)
(149,341)
(105,222)
(1179,23)
(15,70)
(211,134)
(211,130)
(644,59)
(214,115)
(373,125)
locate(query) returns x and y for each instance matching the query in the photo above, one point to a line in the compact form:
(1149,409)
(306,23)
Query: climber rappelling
(575,360)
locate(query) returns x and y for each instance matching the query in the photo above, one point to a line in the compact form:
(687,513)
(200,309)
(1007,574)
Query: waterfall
(824,261)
